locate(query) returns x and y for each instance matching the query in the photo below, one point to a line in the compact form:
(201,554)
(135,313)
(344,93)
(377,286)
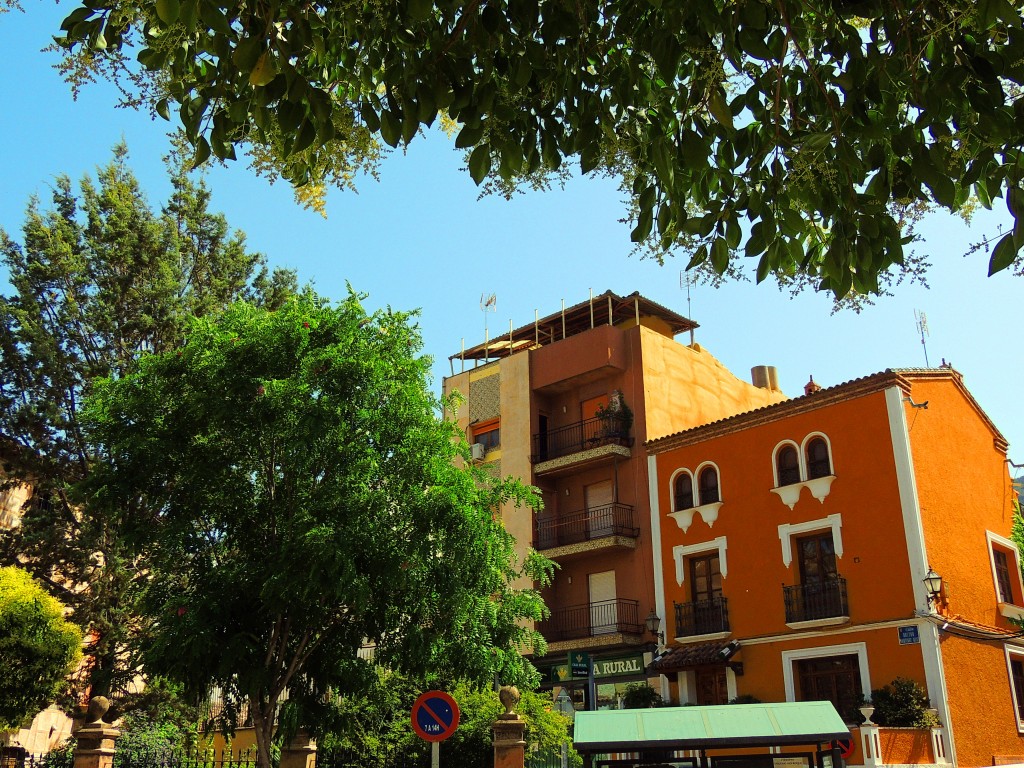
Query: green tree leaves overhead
(804,118)
(98,279)
(289,482)
(38,648)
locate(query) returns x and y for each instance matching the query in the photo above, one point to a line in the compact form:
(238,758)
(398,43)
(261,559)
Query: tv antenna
(488,303)
(921,320)
(685,281)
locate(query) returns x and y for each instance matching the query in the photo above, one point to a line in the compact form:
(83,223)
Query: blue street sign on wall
(909,635)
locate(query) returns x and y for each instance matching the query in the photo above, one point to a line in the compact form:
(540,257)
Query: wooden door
(712,688)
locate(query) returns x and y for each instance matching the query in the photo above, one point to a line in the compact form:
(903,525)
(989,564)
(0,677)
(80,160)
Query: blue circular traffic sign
(435,716)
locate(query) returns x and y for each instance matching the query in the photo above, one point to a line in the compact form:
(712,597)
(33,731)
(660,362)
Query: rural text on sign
(435,716)
(626,665)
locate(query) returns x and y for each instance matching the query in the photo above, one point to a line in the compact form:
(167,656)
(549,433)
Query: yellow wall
(515,447)
(686,387)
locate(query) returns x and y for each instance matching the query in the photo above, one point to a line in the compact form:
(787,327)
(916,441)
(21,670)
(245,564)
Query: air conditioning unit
(477,451)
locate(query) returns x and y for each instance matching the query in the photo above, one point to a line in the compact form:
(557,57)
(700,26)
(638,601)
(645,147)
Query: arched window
(787,465)
(708,482)
(682,491)
(818,464)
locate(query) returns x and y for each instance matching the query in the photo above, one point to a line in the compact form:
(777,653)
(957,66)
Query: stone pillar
(95,747)
(871,745)
(509,745)
(300,752)
(938,746)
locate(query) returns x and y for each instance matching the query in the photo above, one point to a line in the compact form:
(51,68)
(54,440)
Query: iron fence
(16,757)
(702,617)
(176,758)
(591,619)
(384,757)
(581,435)
(821,600)
(595,523)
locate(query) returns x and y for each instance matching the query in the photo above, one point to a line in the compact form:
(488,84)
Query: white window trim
(861,649)
(1004,543)
(775,461)
(696,482)
(804,471)
(1019,654)
(672,488)
(788,530)
(681,551)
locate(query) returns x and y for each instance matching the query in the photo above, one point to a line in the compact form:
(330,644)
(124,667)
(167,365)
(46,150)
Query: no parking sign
(435,716)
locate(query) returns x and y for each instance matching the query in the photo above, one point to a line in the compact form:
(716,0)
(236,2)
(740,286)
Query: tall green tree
(782,130)
(39,648)
(99,278)
(297,496)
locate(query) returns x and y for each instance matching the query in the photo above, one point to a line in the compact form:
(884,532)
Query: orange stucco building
(566,403)
(795,540)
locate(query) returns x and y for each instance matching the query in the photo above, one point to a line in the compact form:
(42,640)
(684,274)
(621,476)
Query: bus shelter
(729,736)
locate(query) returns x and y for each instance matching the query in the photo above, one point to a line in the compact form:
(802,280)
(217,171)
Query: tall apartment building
(566,403)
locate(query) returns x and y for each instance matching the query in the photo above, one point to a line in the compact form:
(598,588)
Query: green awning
(732,725)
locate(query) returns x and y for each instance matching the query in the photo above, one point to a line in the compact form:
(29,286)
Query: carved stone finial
(509,697)
(98,706)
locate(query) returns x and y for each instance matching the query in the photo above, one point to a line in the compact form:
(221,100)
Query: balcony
(593,625)
(584,441)
(819,604)
(702,617)
(608,526)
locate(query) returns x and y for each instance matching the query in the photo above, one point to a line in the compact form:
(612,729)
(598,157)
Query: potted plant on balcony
(617,416)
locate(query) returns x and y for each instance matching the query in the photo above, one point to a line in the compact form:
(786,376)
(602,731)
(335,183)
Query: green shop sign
(579,667)
(624,665)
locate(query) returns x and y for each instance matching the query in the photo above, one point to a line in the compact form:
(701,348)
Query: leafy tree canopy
(99,278)
(782,130)
(297,496)
(38,648)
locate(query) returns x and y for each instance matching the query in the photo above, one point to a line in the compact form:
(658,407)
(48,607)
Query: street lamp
(933,583)
(653,624)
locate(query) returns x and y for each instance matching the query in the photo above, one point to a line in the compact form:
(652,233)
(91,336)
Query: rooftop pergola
(605,309)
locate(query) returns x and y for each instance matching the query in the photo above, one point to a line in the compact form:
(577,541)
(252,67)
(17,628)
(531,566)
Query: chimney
(765,377)
(811,386)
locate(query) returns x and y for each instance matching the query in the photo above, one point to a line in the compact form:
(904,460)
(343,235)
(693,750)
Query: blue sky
(421,238)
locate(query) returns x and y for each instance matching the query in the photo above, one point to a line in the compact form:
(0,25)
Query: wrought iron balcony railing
(702,617)
(552,530)
(592,619)
(589,433)
(820,600)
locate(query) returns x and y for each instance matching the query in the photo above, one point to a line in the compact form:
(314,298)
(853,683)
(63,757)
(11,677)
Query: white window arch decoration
(681,551)
(787,531)
(708,512)
(819,487)
(682,471)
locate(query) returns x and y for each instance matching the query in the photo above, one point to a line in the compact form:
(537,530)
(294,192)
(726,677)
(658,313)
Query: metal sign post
(435,716)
